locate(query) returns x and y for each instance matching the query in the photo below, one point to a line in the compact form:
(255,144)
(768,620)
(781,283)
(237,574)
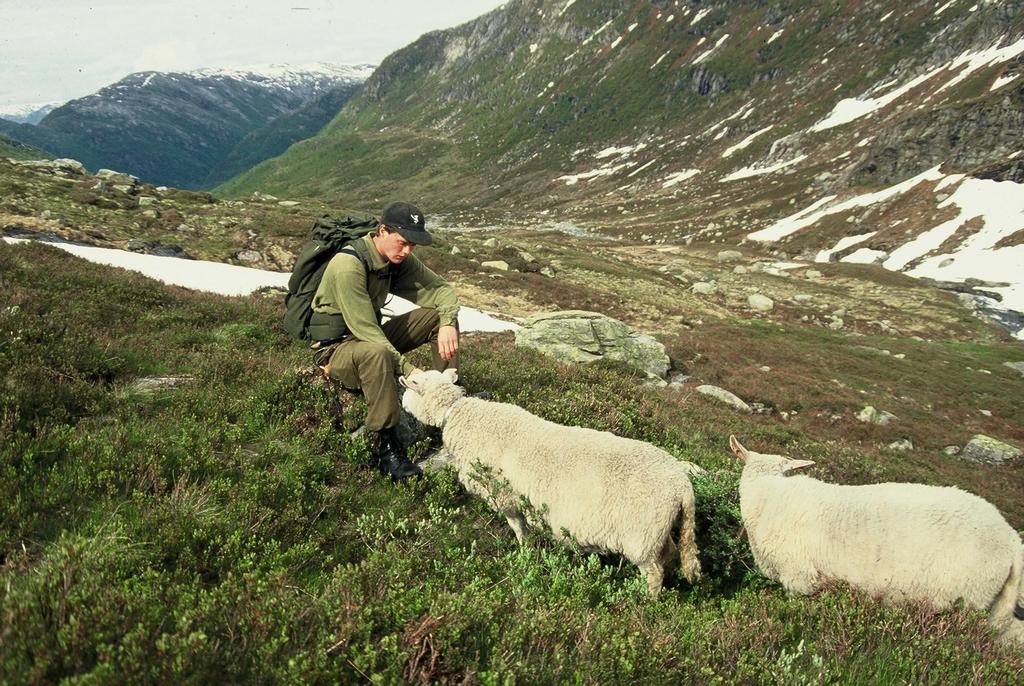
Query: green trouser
(367,366)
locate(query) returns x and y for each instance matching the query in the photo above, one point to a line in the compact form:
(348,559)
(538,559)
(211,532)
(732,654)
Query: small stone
(500,265)
(765,368)
(704,288)
(250,256)
(729,255)
(287,203)
(902,445)
(760,303)
(526,257)
(812,274)
(739,269)
(987,413)
(803,298)
(951,450)
(491,243)
(548,272)
(725,397)
(835,323)
(455,250)
(869,415)
(146,200)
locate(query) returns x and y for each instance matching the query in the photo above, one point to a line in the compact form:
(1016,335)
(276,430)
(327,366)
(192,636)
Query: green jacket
(346,289)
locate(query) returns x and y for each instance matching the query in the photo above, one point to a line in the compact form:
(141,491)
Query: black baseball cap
(408,221)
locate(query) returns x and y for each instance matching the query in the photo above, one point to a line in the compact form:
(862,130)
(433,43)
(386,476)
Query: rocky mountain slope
(707,121)
(193,129)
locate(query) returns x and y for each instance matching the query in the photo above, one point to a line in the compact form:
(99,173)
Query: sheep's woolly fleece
(895,541)
(603,491)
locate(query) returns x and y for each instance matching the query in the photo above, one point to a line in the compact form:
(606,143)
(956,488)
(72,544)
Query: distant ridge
(179,128)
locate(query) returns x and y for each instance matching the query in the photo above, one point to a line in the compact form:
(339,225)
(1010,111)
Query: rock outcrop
(580,336)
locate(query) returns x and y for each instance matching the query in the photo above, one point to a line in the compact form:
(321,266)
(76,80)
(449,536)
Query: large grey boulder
(116,177)
(580,336)
(987,450)
(726,397)
(61,167)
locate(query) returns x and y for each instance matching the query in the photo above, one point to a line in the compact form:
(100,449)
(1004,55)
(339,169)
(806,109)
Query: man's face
(392,246)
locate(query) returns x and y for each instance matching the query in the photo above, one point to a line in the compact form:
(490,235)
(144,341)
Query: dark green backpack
(328,237)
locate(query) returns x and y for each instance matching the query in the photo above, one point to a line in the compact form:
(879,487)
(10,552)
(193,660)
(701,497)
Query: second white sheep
(895,541)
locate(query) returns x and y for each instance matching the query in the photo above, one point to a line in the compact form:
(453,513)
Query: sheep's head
(766,464)
(429,394)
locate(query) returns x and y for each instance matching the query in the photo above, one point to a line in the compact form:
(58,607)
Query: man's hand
(447,342)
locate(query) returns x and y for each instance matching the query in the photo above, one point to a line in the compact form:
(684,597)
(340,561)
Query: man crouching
(354,347)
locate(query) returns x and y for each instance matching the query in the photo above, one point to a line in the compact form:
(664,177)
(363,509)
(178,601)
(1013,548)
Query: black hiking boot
(391,458)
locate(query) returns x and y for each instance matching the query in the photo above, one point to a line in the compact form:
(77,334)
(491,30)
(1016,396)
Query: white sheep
(895,541)
(607,493)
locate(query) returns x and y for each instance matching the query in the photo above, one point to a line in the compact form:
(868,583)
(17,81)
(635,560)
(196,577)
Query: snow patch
(774,36)
(607,170)
(700,15)
(865,256)
(843,244)
(705,55)
(747,141)
(747,172)
(233,280)
(624,150)
(1002,81)
(967,63)
(813,214)
(970,62)
(678,177)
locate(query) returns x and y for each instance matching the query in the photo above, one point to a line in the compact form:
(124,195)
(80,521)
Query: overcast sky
(57,50)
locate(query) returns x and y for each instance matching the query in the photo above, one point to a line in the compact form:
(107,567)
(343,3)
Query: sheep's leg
(655,573)
(800,584)
(517,521)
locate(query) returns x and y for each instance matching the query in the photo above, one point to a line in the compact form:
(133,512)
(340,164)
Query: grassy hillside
(19,151)
(225,530)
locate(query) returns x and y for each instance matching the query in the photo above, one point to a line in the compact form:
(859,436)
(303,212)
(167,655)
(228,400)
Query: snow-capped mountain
(31,113)
(180,128)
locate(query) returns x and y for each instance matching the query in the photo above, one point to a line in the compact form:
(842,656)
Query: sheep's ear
(452,374)
(738,449)
(406,383)
(795,465)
